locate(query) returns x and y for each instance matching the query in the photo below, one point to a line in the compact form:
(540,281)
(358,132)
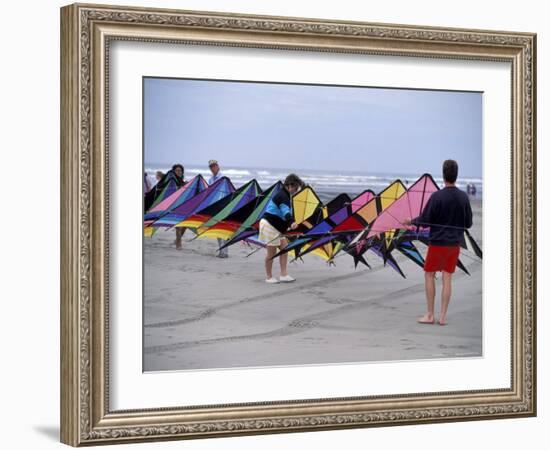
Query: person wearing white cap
(215,169)
(216,175)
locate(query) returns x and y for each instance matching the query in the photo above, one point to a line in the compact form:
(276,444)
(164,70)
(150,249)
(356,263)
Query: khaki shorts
(269,235)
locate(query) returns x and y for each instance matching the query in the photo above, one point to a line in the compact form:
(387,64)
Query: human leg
(285,277)
(271,251)
(429,282)
(223,253)
(445,296)
(283,258)
(448,270)
(179,235)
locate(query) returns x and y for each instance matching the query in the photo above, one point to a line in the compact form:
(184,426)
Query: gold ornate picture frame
(87,31)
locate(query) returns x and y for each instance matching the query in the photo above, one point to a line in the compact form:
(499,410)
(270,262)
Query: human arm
(285,211)
(282,201)
(427,215)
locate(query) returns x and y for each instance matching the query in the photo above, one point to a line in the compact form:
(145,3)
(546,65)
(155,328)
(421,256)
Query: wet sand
(203,312)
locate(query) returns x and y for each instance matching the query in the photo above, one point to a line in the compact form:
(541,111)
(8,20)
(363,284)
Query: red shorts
(441,258)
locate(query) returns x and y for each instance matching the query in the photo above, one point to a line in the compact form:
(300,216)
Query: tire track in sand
(265,296)
(301,324)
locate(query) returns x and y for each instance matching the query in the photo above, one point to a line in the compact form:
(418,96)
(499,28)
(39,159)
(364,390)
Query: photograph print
(299,224)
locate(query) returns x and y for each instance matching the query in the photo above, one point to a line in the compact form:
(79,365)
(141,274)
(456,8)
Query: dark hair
(450,170)
(293,180)
(175,166)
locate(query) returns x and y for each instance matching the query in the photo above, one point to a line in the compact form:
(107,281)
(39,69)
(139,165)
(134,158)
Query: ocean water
(327,184)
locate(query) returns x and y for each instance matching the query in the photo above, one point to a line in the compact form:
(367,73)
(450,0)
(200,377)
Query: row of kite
(367,222)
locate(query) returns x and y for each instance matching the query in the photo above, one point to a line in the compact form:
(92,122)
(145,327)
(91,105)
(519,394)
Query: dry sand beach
(203,312)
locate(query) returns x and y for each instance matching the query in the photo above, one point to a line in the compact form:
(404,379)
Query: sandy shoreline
(203,312)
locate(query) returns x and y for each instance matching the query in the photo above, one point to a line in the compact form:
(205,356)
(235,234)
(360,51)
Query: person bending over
(276,221)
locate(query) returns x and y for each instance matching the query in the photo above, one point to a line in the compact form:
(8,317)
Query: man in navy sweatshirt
(448,213)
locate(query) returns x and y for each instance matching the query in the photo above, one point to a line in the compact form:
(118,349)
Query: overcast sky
(292,126)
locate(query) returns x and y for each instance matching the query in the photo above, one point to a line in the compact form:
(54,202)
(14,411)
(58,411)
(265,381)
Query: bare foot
(442,321)
(426,319)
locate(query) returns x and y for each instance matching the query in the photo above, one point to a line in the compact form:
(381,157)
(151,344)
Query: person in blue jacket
(276,221)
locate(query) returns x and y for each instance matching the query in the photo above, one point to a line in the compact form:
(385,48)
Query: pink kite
(408,206)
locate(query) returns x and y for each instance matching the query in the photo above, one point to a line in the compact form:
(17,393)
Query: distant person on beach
(448,213)
(152,180)
(276,221)
(216,175)
(146,183)
(176,175)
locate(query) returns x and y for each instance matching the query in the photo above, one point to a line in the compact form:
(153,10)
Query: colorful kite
(308,211)
(390,221)
(240,218)
(248,224)
(219,210)
(184,193)
(321,233)
(211,194)
(343,225)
